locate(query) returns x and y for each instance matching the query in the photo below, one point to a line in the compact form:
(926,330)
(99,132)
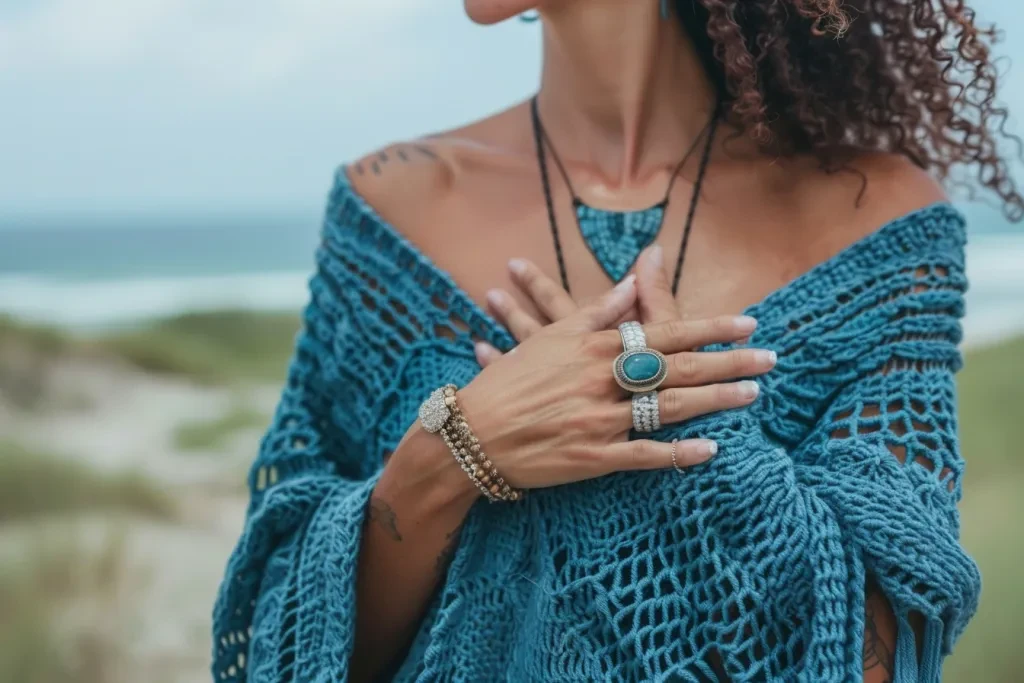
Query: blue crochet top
(847,466)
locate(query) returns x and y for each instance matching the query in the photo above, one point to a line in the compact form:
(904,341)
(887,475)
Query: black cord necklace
(543,142)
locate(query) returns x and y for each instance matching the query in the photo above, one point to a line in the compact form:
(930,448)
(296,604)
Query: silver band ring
(646,414)
(633,337)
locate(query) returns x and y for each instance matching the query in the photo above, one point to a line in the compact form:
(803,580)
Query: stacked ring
(640,370)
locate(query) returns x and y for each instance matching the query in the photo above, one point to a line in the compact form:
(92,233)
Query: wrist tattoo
(381,514)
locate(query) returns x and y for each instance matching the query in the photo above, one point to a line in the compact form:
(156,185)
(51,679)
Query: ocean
(117,273)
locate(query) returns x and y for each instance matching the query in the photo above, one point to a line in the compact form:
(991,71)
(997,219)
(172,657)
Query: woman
(786,506)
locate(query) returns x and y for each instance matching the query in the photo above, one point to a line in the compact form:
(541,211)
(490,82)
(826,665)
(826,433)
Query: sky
(181,106)
(192,104)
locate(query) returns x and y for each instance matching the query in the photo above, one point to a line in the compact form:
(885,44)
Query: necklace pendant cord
(543,143)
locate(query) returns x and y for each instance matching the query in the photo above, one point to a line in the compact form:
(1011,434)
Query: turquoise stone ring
(641,367)
(640,370)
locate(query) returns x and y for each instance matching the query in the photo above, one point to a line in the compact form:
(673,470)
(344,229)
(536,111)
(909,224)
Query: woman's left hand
(654,300)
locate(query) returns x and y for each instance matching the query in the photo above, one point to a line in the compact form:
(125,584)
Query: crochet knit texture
(846,467)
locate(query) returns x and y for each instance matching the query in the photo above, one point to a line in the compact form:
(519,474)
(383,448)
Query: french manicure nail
(745,324)
(766,357)
(517,266)
(749,389)
(495,297)
(626,284)
(711,448)
(657,255)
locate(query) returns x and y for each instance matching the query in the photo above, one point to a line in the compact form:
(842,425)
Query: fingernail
(495,297)
(749,389)
(517,266)
(657,255)
(484,351)
(710,448)
(766,357)
(745,324)
(626,284)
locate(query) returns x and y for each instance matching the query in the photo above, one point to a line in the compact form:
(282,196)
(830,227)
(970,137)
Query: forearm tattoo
(381,514)
(403,154)
(876,652)
(447,553)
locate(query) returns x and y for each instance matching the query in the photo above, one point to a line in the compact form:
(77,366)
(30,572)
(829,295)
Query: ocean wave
(995,301)
(101,303)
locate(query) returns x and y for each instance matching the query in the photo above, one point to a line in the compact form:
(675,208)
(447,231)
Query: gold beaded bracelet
(440,414)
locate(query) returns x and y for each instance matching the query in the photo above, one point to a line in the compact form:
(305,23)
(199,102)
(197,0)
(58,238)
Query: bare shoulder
(872,191)
(403,175)
(895,185)
(418,182)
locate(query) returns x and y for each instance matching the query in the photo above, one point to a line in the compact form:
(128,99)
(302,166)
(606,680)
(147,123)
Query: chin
(487,12)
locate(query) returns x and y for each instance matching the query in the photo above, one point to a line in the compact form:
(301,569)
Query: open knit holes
(915,427)
(395,315)
(237,643)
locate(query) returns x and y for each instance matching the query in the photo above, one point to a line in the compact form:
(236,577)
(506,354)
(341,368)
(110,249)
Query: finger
(679,335)
(644,454)
(679,405)
(485,354)
(553,301)
(603,313)
(507,310)
(657,304)
(694,368)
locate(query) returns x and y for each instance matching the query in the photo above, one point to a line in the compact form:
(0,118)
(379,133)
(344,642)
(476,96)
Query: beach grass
(214,434)
(991,398)
(34,484)
(51,577)
(210,348)
(44,339)
(216,347)
(990,650)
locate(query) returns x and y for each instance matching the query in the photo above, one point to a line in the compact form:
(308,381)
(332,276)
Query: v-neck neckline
(492,331)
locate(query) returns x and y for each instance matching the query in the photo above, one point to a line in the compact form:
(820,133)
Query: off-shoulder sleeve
(885,460)
(297,552)
(287,599)
(794,527)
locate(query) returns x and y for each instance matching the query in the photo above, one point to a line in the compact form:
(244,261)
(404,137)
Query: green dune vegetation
(212,434)
(235,350)
(48,571)
(34,484)
(991,396)
(210,348)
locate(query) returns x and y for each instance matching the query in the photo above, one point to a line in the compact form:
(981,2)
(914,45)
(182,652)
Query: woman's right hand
(551,412)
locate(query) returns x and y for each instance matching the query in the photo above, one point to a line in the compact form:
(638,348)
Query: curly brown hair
(832,78)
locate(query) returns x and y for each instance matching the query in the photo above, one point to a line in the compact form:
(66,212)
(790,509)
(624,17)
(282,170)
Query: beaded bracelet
(441,414)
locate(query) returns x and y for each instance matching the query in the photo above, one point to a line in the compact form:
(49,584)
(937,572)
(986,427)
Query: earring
(664,9)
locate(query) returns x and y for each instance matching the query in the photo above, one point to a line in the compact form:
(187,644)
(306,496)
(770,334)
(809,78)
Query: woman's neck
(622,88)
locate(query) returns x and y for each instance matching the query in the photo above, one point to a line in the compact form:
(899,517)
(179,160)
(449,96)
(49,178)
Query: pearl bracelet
(440,414)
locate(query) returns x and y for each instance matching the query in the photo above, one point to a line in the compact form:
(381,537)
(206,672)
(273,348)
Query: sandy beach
(117,418)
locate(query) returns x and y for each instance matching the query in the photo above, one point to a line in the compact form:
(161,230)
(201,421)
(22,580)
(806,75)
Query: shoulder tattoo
(408,153)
